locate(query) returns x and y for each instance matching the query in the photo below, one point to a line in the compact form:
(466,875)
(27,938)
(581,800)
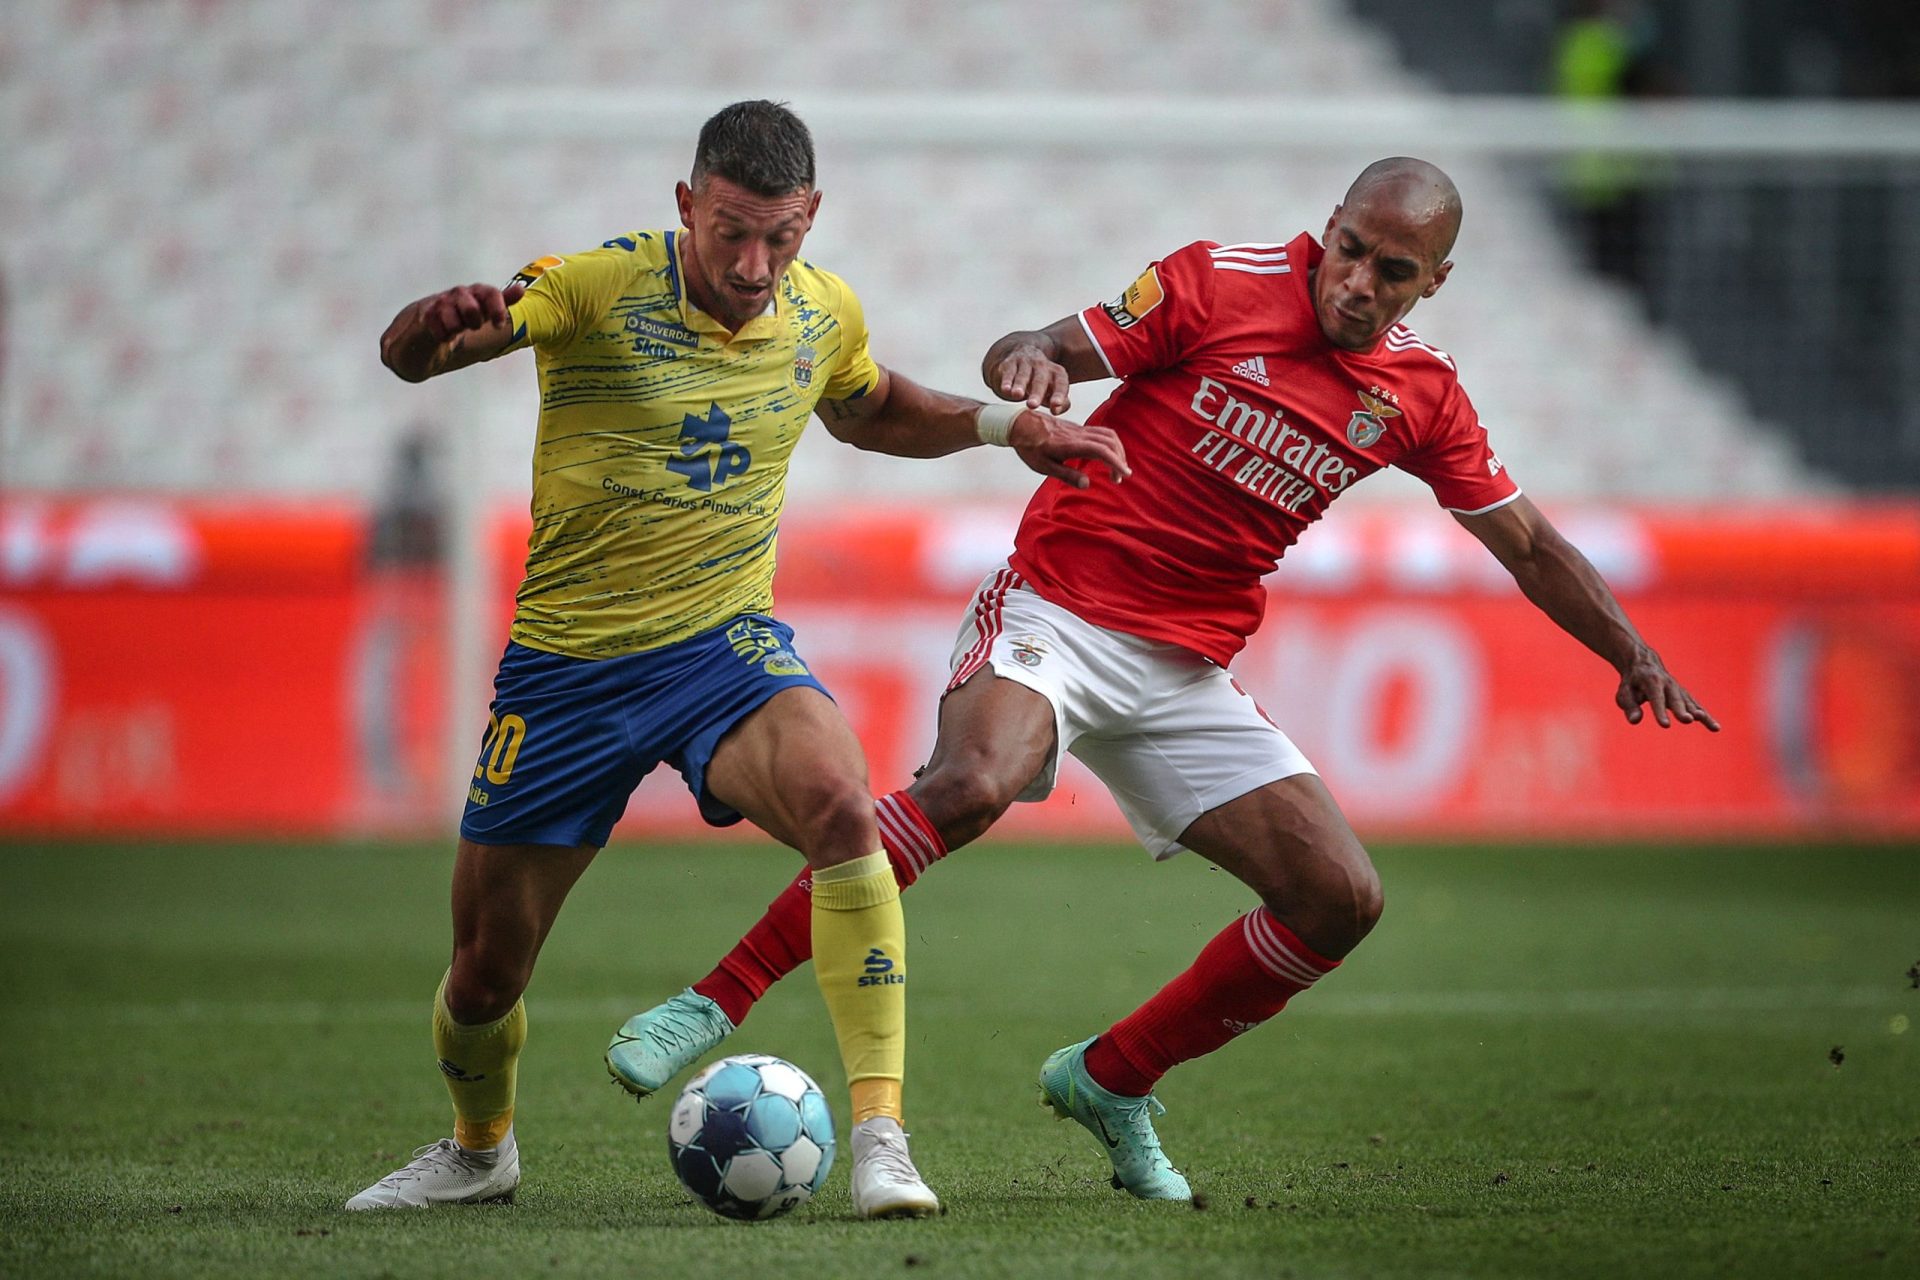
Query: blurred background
(250,583)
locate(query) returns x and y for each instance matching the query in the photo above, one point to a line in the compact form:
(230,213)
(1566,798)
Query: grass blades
(1546,1062)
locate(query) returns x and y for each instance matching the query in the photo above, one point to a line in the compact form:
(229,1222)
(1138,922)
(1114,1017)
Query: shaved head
(1416,191)
(1386,248)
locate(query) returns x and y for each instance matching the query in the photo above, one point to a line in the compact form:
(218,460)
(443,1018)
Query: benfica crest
(1029,651)
(1368,423)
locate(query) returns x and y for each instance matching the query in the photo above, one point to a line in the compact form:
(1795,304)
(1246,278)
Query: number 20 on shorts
(500,748)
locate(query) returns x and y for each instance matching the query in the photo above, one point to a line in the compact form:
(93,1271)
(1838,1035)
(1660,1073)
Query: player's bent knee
(1332,906)
(484,984)
(964,798)
(832,814)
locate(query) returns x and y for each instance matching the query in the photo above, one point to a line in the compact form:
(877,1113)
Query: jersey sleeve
(565,297)
(854,373)
(1458,463)
(1161,316)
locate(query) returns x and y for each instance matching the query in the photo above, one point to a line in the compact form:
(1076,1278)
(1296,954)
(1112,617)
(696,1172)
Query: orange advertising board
(169,668)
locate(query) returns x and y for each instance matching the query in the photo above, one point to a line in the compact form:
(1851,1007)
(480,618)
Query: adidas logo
(1255,369)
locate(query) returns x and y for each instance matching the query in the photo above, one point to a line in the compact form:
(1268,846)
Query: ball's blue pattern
(734,1085)
(773,1122)
(725,1135)
(698,1172)
(816,1119)
(739,1135)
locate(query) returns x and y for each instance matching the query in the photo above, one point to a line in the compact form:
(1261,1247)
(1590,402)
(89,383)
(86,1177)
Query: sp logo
(707,459)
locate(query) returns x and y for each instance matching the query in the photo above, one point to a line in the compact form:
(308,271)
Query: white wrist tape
(994,422)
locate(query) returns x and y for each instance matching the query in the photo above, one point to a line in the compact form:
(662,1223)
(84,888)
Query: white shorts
(1171,734)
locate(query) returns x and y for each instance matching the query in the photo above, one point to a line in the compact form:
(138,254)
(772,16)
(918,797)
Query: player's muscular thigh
(1289,843)
(795,770)
(995,735)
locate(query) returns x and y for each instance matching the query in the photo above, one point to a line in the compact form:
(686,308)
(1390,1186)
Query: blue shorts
(568,739)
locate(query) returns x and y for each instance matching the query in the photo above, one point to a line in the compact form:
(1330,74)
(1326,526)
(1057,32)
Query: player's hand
(1046,443)
(1646,683)
(1025,373)
(468,307)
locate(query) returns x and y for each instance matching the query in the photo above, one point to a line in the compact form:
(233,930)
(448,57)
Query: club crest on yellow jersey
(803,359)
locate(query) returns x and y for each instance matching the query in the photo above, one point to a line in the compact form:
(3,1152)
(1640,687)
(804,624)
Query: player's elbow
(392,356)
(867,437)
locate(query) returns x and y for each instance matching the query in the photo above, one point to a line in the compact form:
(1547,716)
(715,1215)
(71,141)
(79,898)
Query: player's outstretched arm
(449,330)
(1567,588)
(903,418)
(1036,365)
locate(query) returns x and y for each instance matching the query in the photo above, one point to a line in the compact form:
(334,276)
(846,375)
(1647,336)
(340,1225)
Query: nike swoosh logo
(1111,1144)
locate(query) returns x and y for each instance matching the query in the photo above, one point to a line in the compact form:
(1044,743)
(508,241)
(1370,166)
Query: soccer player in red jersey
(1258,383)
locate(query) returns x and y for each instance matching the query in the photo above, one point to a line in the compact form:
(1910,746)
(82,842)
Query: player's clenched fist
(1027,373)
(468,307)
(449,330)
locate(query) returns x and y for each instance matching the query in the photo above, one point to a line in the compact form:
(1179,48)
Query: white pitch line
(1655,1000)
(1683,1002)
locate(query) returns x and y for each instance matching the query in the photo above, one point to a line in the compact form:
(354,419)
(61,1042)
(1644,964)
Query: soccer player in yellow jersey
(677,370)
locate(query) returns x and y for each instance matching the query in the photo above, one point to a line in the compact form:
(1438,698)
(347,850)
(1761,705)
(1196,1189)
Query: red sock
(781,940)
(1241,978)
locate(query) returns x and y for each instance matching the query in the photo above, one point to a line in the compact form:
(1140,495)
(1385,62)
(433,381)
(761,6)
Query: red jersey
(1241,423)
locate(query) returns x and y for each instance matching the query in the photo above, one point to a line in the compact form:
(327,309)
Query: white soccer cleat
(447,1173)
(885,1183)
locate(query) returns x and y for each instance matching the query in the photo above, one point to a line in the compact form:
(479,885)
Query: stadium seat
(221,205)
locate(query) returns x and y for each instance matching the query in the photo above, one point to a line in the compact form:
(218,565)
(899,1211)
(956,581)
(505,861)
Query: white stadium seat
(213,209)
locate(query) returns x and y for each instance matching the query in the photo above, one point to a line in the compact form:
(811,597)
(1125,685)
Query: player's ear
(813,207)
(1326,237)
(683,199)
(1440,274)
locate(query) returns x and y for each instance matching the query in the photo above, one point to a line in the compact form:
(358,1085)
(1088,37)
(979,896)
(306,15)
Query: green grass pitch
(1546,1062)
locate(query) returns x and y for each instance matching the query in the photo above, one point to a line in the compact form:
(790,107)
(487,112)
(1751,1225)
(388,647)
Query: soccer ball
(751,1137)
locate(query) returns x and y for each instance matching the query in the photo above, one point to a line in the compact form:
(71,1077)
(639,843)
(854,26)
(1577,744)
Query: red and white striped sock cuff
(1282,954)
(907,833)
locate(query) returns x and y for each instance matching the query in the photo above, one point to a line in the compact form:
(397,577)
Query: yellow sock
(860,958)
(481,1065)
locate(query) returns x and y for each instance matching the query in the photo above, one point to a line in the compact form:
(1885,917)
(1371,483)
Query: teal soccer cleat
(655,1046)
(1123,1125)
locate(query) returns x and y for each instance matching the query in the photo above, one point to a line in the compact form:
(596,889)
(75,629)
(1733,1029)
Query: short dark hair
(760,145)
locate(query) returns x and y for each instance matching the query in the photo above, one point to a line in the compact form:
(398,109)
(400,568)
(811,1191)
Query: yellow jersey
(660,464)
